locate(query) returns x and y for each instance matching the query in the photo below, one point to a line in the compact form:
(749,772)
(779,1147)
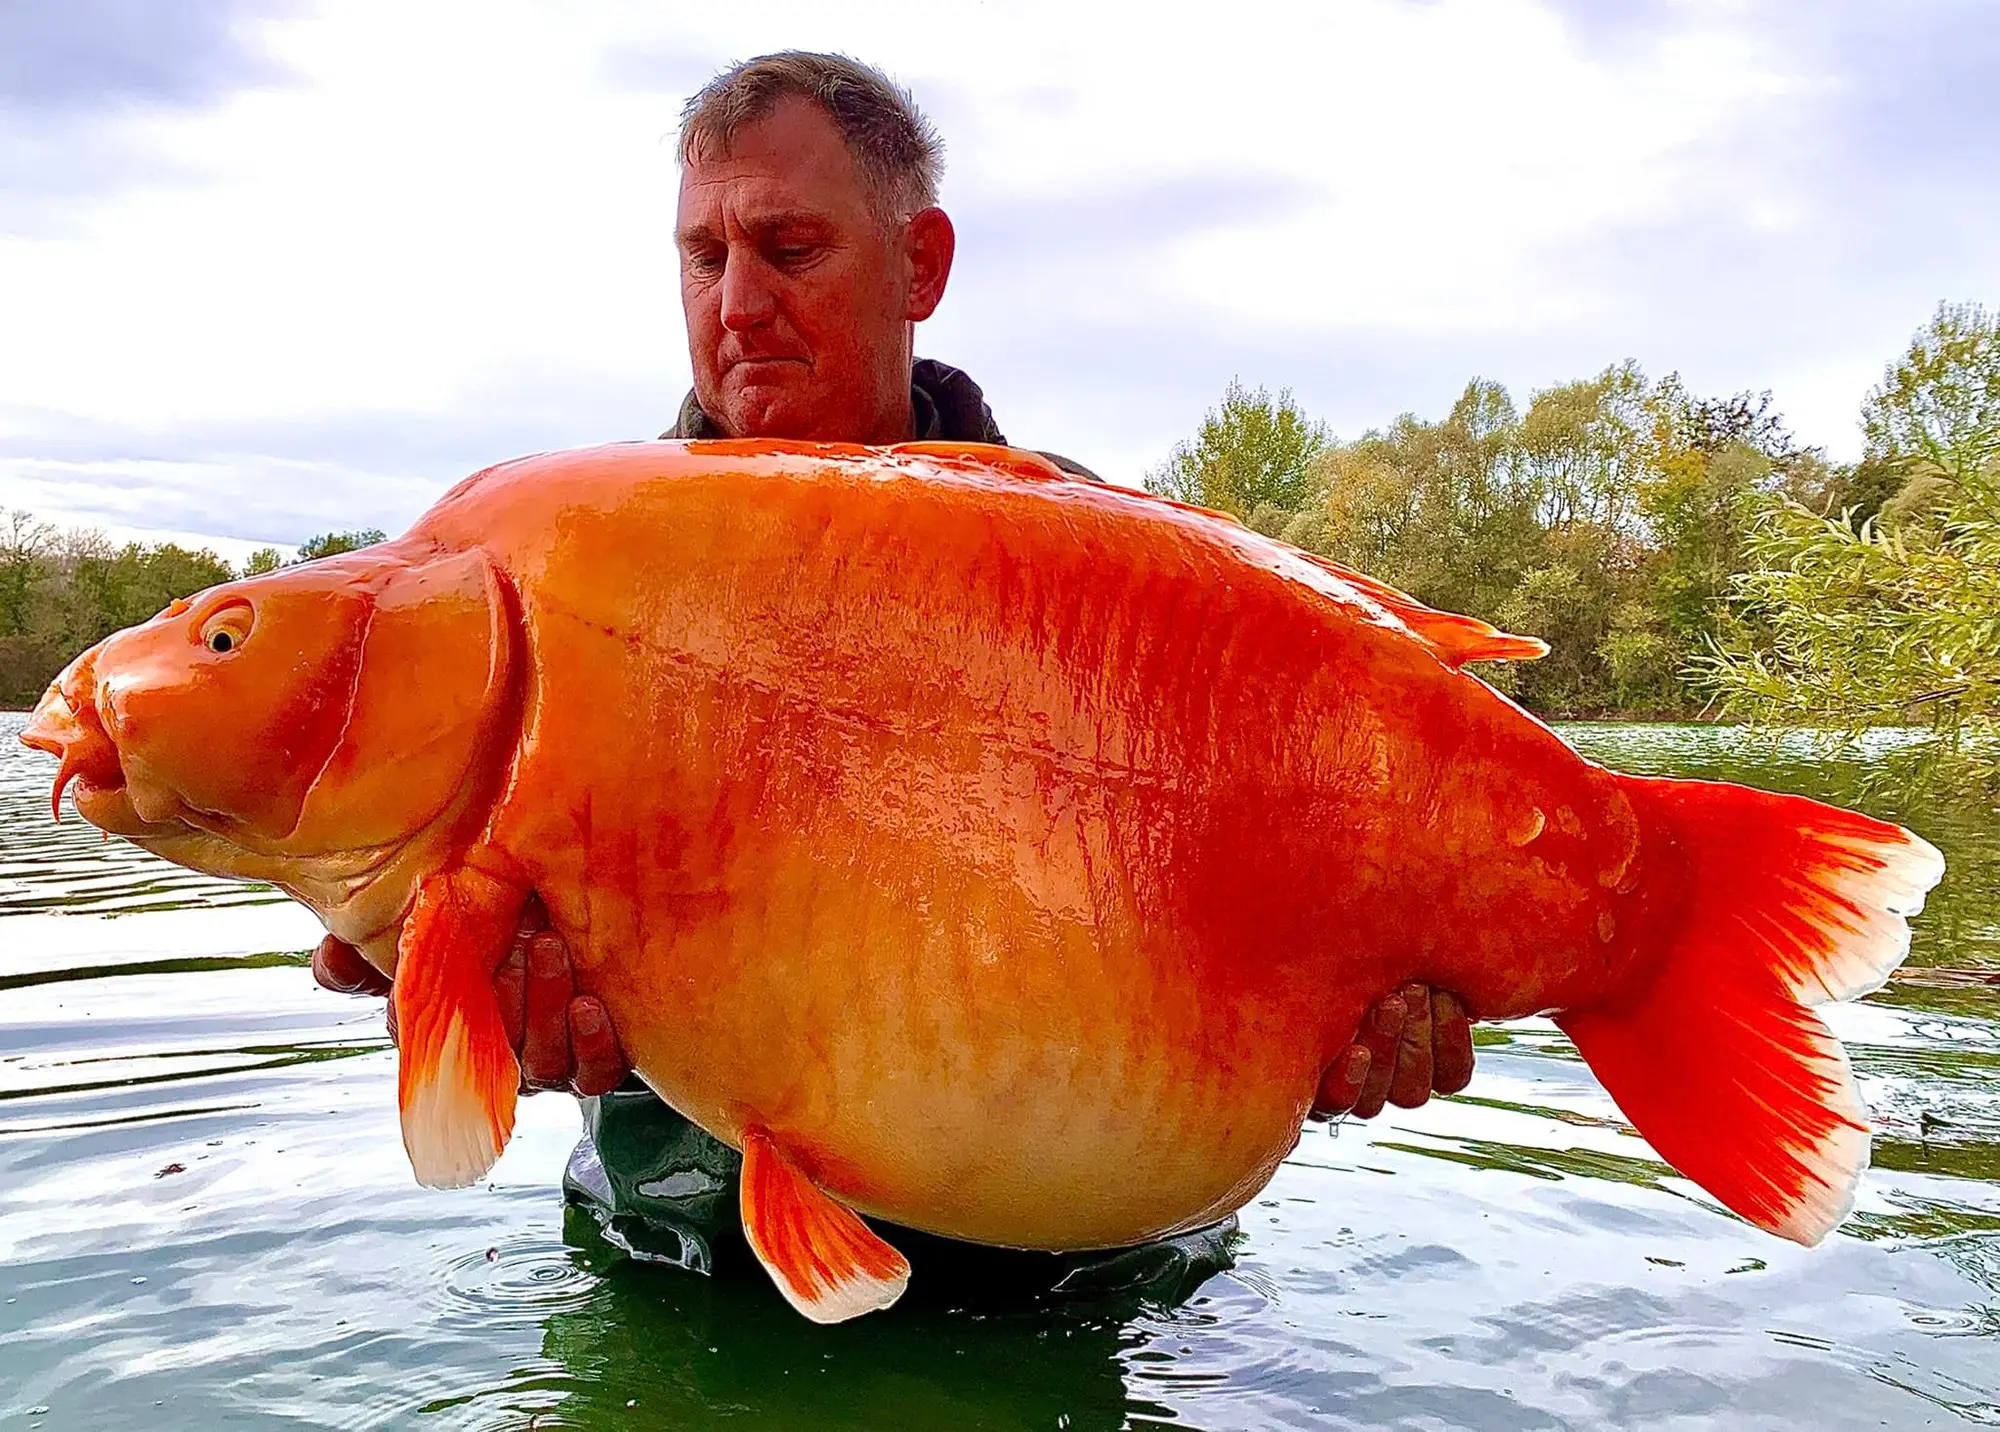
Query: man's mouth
(761,367)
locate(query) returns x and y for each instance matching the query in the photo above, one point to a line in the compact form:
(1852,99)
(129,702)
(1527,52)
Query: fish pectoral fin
(824,1259)
(457,1077)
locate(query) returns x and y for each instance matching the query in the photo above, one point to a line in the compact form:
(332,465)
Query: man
(811,246)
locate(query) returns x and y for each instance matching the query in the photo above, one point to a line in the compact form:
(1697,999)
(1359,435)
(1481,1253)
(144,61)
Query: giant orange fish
(995,854)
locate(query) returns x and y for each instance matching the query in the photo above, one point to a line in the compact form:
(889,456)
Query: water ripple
(516,1283)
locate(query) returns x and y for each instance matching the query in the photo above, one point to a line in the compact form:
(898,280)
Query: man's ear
(435,671)
(932,241)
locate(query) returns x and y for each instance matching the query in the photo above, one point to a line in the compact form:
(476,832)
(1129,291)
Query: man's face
(799,298)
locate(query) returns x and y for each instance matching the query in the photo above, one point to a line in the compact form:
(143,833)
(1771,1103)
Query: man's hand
(564,1040)
(1411,1045)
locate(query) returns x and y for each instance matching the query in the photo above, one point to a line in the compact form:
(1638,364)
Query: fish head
(335,706)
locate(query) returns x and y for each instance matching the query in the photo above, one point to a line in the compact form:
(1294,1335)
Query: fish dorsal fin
(984,458)
(828,1263)
(1456,639)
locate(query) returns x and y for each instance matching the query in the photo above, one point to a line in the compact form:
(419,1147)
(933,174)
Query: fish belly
(952,1066)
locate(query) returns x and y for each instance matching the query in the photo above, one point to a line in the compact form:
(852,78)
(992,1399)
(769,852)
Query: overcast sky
(268,269)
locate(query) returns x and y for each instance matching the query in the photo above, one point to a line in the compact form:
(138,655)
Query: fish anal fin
(828,1263)
(1456,639)
(457,1076)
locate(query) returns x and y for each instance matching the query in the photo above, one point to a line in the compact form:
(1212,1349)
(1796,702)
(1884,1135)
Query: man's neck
(898,425)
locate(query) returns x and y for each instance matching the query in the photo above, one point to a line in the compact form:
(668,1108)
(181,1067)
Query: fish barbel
(992,853)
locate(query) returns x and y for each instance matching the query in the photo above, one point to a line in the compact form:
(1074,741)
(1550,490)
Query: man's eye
(792,255)
(703,263)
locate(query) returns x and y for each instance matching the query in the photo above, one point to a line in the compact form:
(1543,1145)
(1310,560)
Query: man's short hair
(898,152)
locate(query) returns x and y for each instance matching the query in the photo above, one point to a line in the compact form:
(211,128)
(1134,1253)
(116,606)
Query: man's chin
(771,408)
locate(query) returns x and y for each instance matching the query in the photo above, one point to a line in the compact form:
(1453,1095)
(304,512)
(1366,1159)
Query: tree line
(1681,554)
(64,590)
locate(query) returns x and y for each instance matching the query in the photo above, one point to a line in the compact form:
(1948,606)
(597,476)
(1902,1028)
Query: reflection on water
(206,1220)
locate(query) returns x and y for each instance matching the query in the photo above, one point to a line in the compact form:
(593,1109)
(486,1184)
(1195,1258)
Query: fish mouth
(66,725)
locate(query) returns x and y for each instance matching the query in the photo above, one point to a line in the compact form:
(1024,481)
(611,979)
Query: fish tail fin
(1713,1051)
(457,1077)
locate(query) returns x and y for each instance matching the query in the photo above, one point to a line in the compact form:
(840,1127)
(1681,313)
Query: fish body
(995,854)
(983,839)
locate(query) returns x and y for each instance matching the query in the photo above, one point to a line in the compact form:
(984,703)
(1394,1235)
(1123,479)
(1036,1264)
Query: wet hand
(564,1040)
(338,966)
(1412,1044)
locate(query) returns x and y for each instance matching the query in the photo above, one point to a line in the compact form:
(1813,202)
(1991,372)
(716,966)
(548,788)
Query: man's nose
(748,300)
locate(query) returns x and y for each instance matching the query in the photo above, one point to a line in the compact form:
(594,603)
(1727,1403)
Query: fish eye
(226,628)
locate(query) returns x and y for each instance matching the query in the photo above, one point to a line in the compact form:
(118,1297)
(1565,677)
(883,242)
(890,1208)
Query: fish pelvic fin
(457,1077)
(828,1263)
(1453,639)
(1714,1052)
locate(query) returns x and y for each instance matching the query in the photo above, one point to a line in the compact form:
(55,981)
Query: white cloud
(454,218)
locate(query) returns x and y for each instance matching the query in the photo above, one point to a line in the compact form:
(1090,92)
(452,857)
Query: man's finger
(1340,1085)
(1410,1085)
(510,988)
(1451,1043)
(1381,1032)
(600,1063)
(340,967)
(545,1053)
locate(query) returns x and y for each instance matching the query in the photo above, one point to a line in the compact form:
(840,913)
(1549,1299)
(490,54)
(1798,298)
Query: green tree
(1529,520)
(1937,409)
(328,544)
(1585,450)
(133,584)
(1251,452)
(1859,626)
(61,592)
(1643,659)
(264,559)
(1855,623)
(1714,463)
(26,551)
(1436,508)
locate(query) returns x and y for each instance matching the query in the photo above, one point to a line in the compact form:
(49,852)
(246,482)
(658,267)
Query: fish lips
(90,769)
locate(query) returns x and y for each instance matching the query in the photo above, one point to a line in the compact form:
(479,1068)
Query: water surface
(206,1220)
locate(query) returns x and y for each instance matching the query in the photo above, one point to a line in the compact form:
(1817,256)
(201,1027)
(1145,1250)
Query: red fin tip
(828,1263)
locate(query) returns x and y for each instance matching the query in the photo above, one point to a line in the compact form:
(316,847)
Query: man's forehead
(793,157)
(754,202)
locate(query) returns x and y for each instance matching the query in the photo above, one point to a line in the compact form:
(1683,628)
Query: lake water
(207,1221)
